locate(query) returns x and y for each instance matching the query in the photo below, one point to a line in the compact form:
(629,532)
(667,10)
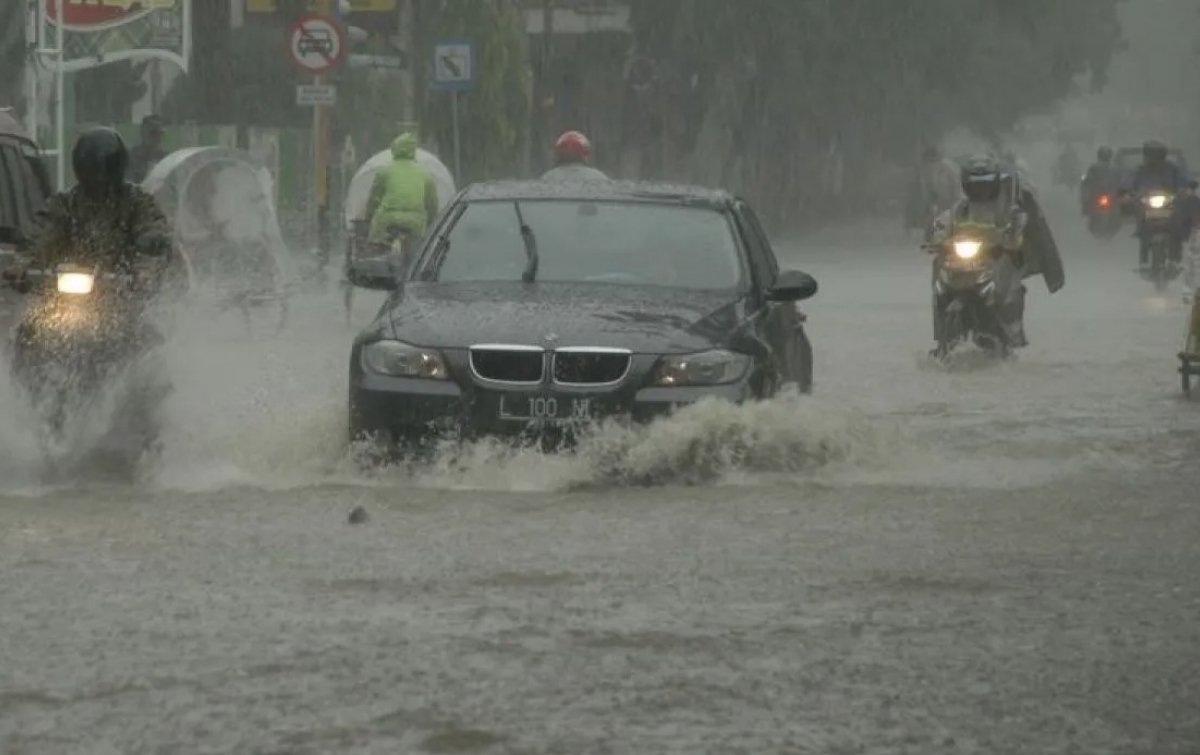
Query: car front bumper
(416,411)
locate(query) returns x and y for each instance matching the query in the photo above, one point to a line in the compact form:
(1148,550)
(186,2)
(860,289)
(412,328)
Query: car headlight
(705,368)
(967,248)
(76,283)
(399,359)
(1157,201)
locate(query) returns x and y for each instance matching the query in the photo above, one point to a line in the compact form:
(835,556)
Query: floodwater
(990,559)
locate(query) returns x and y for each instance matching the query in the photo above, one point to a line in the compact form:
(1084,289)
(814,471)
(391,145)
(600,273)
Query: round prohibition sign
(316,44)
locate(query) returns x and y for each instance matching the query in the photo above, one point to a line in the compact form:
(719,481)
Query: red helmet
(572,145)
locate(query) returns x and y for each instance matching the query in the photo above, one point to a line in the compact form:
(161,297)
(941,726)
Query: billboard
(356,6)
(96,32)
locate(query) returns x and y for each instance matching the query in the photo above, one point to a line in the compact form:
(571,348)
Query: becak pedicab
(220,204)
(355,207)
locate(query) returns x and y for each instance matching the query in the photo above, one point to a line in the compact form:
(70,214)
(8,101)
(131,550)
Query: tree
(494,115)
(794,80)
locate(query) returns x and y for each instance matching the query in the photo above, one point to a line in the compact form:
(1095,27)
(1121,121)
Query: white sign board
(316,95)
(454,66)
(316,44)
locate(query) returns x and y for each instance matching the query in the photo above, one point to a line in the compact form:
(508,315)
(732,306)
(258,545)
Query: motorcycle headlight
(76,283)
(1157,201)
(399,359)
(967,248)
(705,368)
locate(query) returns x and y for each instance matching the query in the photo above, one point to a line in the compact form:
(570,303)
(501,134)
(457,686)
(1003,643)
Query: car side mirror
(375,273)
(792,285)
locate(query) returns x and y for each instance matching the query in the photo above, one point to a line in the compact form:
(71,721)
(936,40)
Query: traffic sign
(454,65)
(316,95)
(316,43)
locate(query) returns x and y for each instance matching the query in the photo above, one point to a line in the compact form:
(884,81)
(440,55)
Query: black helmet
(1154,151)
(1104,154)
(99,159)
(981,178)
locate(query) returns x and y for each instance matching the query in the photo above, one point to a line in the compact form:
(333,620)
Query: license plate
(526,408)
(1157,214)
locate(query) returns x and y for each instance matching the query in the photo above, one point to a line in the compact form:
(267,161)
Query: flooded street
(994,559)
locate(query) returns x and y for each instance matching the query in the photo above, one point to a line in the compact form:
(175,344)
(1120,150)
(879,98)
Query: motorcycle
(1104,217)
(83,335)
(965,294)
(1158,236)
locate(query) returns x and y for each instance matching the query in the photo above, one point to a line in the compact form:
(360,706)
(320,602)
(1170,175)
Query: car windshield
(602,242)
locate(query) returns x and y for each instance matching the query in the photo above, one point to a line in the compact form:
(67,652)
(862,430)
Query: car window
(601,242)
(764,242)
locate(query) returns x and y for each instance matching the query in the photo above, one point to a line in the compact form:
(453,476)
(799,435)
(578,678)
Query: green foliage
(494,116)
(243,76)
(877,76)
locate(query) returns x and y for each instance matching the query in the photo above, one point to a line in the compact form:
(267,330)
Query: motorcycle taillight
(1103,201)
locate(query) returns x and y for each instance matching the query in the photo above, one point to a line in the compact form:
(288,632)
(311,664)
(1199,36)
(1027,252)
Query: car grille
(508,364)
(590,365)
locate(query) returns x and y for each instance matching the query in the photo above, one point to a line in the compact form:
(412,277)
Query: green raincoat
(403,194)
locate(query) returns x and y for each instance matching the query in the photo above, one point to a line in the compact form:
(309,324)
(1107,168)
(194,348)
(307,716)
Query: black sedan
(530,309)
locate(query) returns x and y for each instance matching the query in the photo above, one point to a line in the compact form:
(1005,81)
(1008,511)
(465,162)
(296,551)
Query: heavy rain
(990,547)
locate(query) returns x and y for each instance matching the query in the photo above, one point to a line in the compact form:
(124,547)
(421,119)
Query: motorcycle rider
(402,196)
(144,156)
(997,203)
(1156,173)
(937,187)
(102,220)
(572,151)
(1101,177)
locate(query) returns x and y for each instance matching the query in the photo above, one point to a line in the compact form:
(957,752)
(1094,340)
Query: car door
(778,320)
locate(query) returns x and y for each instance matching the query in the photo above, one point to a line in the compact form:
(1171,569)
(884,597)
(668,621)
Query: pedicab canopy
(360,185)
(217,198)
(24,182)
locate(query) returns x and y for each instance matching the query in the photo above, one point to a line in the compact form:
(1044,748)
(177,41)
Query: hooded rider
(402,196)
(571,154)
(998,205)
(102,220)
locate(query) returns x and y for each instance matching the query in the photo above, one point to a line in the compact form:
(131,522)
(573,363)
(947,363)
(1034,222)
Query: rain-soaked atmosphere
(969,555)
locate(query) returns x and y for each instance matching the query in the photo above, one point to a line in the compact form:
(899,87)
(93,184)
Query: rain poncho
(111,232)
(1040,251)
(403,194)
(573,172)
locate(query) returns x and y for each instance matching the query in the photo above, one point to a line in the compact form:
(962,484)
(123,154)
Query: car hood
(644,319)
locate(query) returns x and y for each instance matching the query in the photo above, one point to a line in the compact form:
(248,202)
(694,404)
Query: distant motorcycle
(1104,216)
(965,297)
(1158,230)
(83,334)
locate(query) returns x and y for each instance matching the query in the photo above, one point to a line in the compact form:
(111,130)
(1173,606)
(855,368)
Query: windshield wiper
(531,250)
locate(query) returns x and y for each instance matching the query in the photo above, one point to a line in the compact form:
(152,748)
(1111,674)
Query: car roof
(1138,150)
(600,191)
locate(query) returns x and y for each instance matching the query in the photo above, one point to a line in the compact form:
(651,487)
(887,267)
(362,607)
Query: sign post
(90,34)
(454,71)
(317,45)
